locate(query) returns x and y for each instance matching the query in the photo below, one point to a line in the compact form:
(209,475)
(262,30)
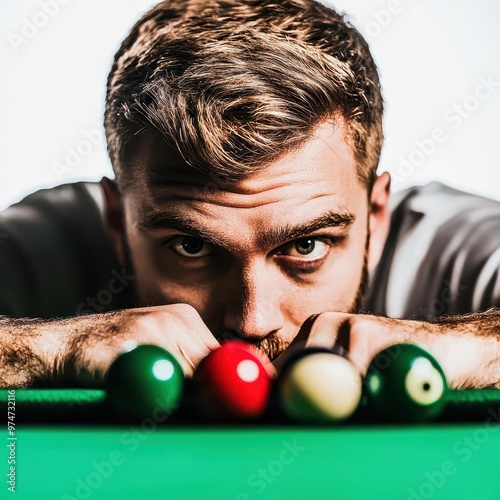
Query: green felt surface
(366,463)
(149,460)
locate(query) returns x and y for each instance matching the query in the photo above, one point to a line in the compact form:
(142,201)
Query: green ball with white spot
(405,383)
(145,382)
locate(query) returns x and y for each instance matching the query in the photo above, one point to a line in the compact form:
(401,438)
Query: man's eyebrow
(170,219)
(276,237)
(272,238)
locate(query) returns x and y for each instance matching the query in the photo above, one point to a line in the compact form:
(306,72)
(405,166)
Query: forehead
(321,175)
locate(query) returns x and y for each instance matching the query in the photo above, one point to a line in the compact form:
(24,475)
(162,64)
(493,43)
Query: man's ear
(114,217)
(380,218)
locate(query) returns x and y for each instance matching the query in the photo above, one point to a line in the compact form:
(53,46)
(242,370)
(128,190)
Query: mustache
(272,345)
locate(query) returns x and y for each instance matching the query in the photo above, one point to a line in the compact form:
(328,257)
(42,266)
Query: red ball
(232,383)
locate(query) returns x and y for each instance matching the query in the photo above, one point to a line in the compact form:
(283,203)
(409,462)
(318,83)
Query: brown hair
(232,85)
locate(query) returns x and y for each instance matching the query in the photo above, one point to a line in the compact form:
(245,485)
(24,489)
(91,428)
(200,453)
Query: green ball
(404,383)
(145,382)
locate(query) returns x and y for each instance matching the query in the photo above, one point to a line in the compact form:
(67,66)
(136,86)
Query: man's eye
(307,249)
(189,246)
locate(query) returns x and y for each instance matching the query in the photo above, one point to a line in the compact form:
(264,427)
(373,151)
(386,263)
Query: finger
(186,364)
(329,330)
(305,330)
(208,339)
(320,330)
(187,333)
(193,353)
(299,342)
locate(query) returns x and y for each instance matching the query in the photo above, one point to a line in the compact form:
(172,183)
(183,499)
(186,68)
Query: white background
(432,56)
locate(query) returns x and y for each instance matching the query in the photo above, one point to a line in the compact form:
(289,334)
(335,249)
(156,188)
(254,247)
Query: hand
(89,344)
(459,353)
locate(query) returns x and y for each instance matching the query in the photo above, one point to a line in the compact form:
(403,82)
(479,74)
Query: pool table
(67,446)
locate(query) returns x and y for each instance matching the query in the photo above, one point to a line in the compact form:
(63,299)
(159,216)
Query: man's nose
(253,310)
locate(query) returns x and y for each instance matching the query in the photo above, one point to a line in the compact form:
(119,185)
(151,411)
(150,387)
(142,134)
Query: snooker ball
(231,383)
(318,385)
(405,383)
(144,382)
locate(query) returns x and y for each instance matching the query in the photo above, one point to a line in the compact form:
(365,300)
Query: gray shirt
(442,255)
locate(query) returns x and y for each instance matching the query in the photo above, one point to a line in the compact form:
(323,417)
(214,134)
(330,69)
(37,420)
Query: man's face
(255,257)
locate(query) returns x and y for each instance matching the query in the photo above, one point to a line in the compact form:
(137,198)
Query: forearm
(468,347)
(34,351)
(22,358)
(79,350)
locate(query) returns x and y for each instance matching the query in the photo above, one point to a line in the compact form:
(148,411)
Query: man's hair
(233,85)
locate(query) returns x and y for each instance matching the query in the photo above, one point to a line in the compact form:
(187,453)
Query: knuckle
(330,318)
(146,322)
(319,319)
(186,311)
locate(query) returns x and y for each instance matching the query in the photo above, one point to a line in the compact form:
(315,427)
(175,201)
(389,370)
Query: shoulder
(54,251)
(438,200)
(443,243)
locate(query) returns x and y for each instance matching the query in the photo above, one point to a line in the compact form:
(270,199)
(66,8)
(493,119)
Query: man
(245,138)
